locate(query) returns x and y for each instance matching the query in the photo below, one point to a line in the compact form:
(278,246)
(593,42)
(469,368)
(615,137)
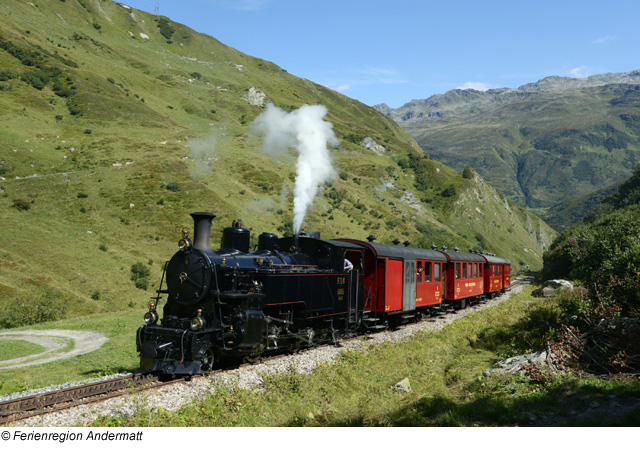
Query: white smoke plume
(306,131)
(203,156)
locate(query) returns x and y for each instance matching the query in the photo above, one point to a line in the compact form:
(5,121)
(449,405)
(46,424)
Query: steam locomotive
(294,292)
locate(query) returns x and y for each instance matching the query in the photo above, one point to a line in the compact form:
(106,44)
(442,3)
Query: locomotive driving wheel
(208,360)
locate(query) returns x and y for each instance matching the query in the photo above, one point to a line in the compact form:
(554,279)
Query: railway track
(33,405)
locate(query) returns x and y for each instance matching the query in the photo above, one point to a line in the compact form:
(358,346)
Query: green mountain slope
(572,211)
(116,124)
(541,144)
(603,251)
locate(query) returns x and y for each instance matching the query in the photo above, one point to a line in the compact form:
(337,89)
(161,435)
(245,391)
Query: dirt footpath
(52,341)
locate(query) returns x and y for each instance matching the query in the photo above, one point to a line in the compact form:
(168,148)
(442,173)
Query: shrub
(35,79)
(361,206)
(173,186)
(450,191)
(577,307)
(286,229)
(7,75)
(605,255)
(403,163)
(335,196)
(21,205)
(75,108)
(140,275)
(63,90)
(166,29)
(467,173)
(45,305)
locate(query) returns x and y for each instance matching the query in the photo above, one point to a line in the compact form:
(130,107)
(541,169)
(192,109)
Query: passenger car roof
(496,260)
(462,256)
(398,251)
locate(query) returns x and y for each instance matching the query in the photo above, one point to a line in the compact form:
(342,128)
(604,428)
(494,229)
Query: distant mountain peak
(441,105)
(541,144)
(556,83)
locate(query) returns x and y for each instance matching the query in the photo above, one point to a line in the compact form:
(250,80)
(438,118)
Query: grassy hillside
(541,144)
(572,211)
(115,124)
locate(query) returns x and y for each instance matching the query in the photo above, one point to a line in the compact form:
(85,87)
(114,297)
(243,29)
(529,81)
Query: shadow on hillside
(565,406)
(511,400)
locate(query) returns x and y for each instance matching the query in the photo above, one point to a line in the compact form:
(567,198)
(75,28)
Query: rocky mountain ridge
(440,106)
(543,144)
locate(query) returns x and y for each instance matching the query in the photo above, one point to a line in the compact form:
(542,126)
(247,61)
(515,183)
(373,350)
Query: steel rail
(47,402)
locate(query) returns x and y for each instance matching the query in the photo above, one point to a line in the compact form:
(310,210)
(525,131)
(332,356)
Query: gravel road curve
(52,341)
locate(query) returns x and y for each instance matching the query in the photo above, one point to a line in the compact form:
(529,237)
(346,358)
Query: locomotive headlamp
(184,244)
(151,317)
(198,322)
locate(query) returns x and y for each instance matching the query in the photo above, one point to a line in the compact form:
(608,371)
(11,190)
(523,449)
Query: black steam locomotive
(296,292)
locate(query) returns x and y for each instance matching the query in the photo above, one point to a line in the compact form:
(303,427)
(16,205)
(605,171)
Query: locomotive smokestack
(202,230)
(296,241)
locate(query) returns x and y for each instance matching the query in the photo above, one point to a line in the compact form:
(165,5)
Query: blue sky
(393,51)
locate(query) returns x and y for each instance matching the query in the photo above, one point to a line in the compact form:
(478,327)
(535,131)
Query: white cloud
(344,87)
(604,39)
(477,85)
(579,72)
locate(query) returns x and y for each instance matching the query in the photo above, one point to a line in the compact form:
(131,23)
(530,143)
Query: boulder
(517,363)
(403,385)
(551,287)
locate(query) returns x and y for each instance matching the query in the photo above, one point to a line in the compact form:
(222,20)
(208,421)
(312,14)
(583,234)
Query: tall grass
(444,370)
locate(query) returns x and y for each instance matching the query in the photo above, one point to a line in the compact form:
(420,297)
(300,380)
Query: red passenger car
(497,274)
(400,279)
(464,275)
